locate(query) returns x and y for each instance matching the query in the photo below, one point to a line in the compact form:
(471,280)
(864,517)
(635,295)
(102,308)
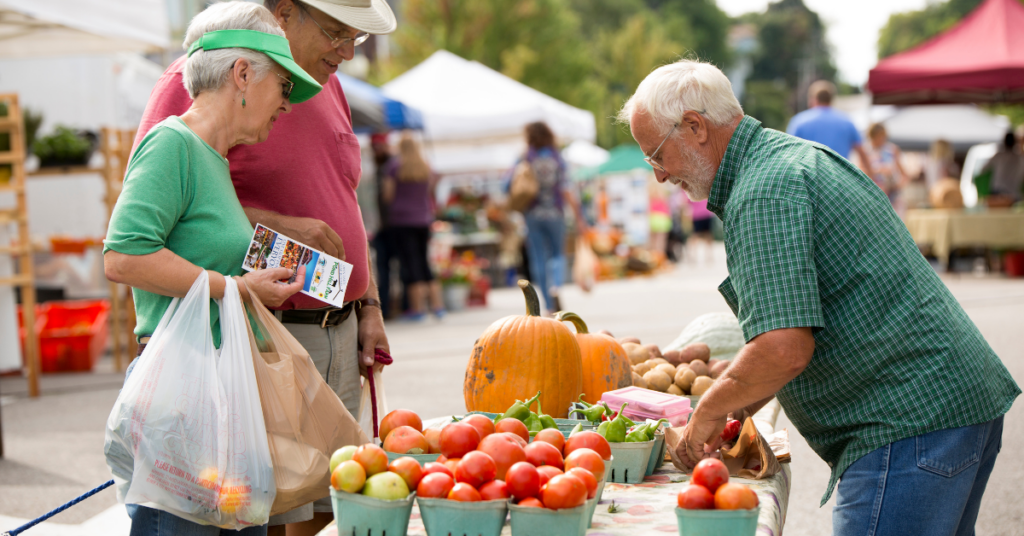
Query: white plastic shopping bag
(366,405)
(190,417)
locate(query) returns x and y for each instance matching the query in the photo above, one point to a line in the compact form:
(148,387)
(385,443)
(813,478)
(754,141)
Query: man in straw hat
(302,182)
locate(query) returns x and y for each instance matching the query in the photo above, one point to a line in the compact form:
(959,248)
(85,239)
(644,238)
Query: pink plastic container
(646,404)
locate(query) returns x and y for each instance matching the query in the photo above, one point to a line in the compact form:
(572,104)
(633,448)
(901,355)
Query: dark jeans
(152,522)
(384,244)
(929,485)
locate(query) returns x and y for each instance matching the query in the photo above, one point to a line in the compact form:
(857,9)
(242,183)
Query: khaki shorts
(335,352)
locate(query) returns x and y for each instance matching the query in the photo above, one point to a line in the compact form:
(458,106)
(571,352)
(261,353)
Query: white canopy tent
(914,128)
(65,27)
(474,116)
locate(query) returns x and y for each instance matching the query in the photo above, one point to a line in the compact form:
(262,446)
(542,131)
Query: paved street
(53,445)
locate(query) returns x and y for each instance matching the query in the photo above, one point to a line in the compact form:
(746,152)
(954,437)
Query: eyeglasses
(286,89)
(650,159)
(336,42)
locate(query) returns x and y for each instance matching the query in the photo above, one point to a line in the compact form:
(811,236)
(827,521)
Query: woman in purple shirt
(408,191)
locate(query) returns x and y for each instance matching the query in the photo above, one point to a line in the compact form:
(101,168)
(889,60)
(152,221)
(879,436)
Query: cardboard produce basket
(443,517)
(657,453)
(629,461)
(528,521)
(717,522)
(358,514)
(421,458)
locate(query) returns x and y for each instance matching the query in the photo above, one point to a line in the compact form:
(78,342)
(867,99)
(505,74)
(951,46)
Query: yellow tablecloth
(945,229)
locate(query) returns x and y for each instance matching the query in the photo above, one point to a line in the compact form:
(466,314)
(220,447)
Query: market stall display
(945,230)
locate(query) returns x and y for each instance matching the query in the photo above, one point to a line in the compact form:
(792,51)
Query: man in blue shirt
(823,124)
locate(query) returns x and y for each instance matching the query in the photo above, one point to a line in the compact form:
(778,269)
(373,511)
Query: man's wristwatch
(367,302)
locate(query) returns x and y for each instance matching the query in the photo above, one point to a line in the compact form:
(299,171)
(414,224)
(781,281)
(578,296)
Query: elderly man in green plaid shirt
(872,358)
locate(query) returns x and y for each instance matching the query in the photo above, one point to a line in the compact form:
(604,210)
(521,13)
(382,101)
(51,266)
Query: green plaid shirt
(812,242)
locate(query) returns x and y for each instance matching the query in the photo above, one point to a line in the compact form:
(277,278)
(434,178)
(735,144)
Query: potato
(684,377)
(624,340)
(699,368)
(655,361)
(672,356)
(653,350)
(696,351)
(636,353)
(606,332)
(711,363)
(675,390)
(638,381)
(667,369)
(642,368)
(719,368)
(657,380)
(701,385)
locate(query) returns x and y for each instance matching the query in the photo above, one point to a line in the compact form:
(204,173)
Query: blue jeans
(152,522)
(930,484)
(545,244)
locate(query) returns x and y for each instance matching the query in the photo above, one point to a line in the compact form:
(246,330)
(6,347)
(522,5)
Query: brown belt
(323,317)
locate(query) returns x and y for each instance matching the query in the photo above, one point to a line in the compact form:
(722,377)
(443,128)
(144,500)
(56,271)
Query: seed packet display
(326,276)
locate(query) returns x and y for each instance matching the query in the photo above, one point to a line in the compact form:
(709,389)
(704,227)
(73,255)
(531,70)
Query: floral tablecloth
(649,508)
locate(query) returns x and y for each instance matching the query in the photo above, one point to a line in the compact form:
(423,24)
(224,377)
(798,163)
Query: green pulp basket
(422,458)
(588,518)
(443,517)
(717,522)
(366,516)
(528,521)
(657,453)
(629,461)
(605,478)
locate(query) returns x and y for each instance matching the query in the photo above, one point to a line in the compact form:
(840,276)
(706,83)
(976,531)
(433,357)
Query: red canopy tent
(981,59)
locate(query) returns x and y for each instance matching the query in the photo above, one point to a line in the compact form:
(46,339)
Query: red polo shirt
(308,167)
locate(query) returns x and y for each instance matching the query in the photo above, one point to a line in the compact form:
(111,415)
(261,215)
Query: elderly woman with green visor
(178,214)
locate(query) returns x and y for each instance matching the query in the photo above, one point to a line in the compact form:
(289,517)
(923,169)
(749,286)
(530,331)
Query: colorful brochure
(326,277)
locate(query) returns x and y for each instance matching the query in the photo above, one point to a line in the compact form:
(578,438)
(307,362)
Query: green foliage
(905,31)
(768,101)
(63,146)
(588,53)
(1015,112)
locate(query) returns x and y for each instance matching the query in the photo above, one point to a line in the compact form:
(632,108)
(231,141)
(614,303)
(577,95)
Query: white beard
(702,176)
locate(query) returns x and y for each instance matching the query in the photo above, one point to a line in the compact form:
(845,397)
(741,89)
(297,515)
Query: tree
(905,31)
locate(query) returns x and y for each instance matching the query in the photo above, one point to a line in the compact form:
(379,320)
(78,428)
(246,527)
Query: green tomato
(343,454)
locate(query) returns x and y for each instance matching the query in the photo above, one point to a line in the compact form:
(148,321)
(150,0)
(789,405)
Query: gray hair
(671,90)
(207,70)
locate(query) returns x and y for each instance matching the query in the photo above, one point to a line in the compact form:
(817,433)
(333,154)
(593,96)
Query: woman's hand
(267,285)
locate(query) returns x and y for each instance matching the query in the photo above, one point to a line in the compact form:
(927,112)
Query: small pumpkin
(519,355)
(605,364)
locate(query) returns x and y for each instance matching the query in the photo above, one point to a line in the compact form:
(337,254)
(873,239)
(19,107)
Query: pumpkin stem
(565,316)
(532,301)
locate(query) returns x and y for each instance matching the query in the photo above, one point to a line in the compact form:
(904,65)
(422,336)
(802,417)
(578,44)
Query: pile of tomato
(710,489)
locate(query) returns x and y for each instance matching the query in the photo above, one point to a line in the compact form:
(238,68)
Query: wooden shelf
(64,170)
(16,281)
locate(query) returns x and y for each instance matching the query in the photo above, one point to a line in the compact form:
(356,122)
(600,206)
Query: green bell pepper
(592,413)
(638,435)
(616,432)
(603,428)
(577,428)
(519,410)
(546,421)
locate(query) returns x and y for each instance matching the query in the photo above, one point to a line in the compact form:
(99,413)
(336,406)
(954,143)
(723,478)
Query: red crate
(73,335)
(1014,263)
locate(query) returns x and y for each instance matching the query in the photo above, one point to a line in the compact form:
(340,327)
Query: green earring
(243,102)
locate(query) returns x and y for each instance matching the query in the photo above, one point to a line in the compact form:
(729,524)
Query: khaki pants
(335,352)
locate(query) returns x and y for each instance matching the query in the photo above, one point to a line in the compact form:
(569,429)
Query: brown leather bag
(523,190)
(305,420)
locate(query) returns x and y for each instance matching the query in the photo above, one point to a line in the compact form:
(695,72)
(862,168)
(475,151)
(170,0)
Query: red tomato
(541,453)
(399,417)
(589,440)
(548,472)
(475,468)
(433,437)
(710,473)
(522,442)
(435,467)
(452,464)
(407,468)
(483,425)
(563,491)
(435,486)
(457,439)
(494,490)
(513,426)
(463,492)
(372,458)
(695,497)
(505,450)
(523,480)
(735,497)
(406,440)
(587,478)
(440,457)
(587,459)
(550,435)
(531,502)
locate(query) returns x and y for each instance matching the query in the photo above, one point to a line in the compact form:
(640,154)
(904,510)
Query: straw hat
(370,16)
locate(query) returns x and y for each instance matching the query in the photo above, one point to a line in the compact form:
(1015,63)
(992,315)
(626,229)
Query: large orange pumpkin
(605,363)
(520,355)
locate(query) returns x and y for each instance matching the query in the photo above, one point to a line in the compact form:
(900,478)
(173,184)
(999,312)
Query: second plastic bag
(189,417)
(305,420)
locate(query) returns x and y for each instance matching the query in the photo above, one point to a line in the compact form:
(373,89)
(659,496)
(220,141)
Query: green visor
(272,45)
